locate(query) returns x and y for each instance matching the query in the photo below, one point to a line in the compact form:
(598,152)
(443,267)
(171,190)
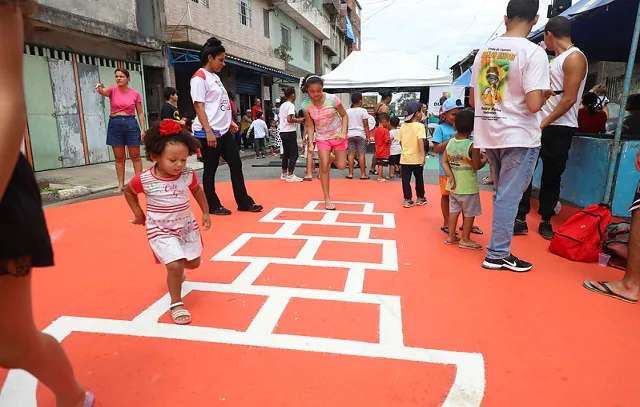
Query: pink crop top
(123,101)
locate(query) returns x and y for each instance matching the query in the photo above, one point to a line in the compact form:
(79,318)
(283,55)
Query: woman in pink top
(325,116)
(123,129)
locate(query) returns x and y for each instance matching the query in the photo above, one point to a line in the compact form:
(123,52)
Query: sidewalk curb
(78,191)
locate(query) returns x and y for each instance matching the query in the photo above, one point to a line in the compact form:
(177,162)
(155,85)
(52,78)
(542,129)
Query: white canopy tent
(377,70)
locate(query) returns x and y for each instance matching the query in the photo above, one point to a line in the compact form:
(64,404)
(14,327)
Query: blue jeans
(512,170)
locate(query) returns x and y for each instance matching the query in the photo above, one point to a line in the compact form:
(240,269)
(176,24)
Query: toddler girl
(172,230)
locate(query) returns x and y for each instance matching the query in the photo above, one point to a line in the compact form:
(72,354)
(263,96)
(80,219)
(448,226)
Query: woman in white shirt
(214,128)
(289,136)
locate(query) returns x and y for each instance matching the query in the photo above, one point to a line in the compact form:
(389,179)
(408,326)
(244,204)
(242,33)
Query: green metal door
(43,131)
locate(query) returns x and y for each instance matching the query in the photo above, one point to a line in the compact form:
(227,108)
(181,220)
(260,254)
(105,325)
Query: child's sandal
(175,314)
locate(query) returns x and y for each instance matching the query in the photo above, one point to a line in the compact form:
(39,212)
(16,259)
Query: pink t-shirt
(124,101)
(327,120)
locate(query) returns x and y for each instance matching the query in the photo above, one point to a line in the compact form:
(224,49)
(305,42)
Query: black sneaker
(252,208)
(546,230)
(520,228)
(508,263)
(221,211)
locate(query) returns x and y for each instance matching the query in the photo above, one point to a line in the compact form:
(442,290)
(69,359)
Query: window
(204,3)
(307,48)
(286,36)
(244,12)
(265,18)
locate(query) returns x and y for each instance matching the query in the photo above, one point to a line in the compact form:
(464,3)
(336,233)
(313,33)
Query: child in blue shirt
(441,136)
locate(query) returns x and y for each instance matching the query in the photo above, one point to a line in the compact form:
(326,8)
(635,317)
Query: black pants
(556,143)
(290,147)
(238,137)
(228,150)
(417,171)
(259,145)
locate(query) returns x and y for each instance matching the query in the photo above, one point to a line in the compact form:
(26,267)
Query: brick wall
(221,20)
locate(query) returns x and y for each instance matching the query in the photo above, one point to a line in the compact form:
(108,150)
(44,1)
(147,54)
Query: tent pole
(617,144)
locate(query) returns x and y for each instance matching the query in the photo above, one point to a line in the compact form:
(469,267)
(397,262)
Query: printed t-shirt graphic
(328,122)
(462,167)
(443,133)
(504,71)
(207,88)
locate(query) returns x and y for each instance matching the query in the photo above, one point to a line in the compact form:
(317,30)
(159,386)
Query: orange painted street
(297,306)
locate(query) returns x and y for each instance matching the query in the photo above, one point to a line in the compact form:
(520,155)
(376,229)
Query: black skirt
(23,229)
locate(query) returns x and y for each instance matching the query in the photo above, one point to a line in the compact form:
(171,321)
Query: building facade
(73,45)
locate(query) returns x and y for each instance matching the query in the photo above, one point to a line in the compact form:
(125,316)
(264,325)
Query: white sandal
(179,313)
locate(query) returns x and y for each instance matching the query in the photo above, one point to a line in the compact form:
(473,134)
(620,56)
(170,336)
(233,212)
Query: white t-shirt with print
(286,109)
(504,71)
(207,87)
(396,148)
(356,116)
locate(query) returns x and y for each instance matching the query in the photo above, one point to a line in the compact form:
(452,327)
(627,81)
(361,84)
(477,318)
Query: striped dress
(172,229)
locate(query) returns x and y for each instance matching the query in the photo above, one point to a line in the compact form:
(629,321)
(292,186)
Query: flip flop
(367,177)
(445,229)
(89,398)
(179,313)
(607,291)
(349,177)
(451,243)
(475,230)
(307,179)
(472,247)
(487,181)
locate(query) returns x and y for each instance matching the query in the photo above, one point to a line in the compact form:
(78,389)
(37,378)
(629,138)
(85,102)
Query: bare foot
(450,241)
(118,190)
(470,245)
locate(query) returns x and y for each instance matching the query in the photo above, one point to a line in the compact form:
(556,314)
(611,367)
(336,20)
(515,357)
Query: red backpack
(582,235)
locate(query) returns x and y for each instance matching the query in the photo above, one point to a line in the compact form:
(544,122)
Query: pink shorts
(332,144)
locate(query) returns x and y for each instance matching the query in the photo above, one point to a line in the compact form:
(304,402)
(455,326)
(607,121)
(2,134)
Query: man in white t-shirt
(559,123)
(509,86)
(358,134)
(289,136)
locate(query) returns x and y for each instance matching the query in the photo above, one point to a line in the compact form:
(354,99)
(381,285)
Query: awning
(464,79)
(191,56)
(602,29)
(370,71)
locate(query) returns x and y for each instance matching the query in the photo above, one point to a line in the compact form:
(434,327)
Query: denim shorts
(123,131)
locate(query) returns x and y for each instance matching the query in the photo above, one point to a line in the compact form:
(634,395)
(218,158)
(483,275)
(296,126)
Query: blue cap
(451,104)
(412,108)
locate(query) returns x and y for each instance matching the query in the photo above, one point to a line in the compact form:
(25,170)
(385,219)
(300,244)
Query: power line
(378,12)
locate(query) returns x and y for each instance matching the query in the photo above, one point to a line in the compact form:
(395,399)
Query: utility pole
(438,62)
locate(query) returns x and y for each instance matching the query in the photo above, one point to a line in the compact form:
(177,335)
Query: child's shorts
(469,205)
(394,159)
(443,185)
(332,144)
(383,162)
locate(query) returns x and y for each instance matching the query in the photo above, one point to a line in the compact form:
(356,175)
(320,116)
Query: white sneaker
(283,177)
(294,178)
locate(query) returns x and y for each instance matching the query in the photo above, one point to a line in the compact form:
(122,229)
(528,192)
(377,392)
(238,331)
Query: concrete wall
(297,44)
(117,12)
(612,75)
(221,20)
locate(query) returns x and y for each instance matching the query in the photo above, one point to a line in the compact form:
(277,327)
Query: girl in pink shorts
(325,115)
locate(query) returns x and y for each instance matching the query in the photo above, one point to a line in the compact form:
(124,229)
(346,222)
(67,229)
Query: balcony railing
(331,6)
(307,15)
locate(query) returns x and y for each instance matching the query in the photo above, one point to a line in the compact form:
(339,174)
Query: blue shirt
(443,133)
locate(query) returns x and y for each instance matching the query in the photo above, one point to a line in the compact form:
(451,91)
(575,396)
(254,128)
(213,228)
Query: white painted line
(391,322)
(233,247)
(288,229)
(389,221)
(355,280)
(267,318)
(250,274)
(466,391)
(271,215)
(309,250)
(311,206)
(385,265)
(365,232)
(330,218)
(307,293)
(368,208)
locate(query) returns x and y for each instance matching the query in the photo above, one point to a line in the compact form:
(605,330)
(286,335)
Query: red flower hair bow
(169,127)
